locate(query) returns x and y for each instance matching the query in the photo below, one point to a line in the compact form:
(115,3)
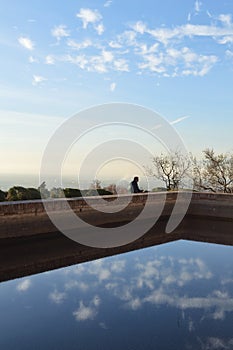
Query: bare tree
(95,185)
(172,169)
(43,190)
(214,173)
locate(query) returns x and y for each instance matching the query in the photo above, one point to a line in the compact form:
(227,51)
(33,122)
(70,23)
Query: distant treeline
(19,193)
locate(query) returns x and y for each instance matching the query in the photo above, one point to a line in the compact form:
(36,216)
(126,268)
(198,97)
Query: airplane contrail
(179,119)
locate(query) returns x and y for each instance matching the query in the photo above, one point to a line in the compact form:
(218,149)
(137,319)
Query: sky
(57,59)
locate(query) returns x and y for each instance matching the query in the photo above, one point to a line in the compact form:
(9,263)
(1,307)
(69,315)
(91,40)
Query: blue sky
(175,57)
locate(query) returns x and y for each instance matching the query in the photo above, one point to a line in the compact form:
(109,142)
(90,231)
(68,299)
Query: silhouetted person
(134,185)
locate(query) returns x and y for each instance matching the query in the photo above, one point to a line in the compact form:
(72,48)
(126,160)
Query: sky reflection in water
(173,296)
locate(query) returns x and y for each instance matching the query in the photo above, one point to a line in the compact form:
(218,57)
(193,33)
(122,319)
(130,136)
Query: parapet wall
(36,206)
(24,218)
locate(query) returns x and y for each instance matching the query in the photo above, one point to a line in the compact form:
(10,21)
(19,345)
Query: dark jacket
(134,187)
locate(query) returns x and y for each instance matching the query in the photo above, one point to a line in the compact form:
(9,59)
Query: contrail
(179,119)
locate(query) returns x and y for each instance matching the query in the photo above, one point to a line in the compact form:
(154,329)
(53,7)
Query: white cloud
(139,27)
(24,285)
(76,284)
(214,343)
(96,301)
(218,304)
(226,40)
(79,45)
(79,269)
(26,43)
(128,38)
(32,59)
(182,62)
(104,274)
(103,325)
(154,50)
(225,19)
(203,65)
(97,268)
(97,65)
(84,313)
(99,28)
(144,49)
(49,59)
(80,60)
(121,65)
(38,79)
(60,32)
(112,286)
(89,16)
(153,63)
(165,35)
(114,45)
(134,304)
(200,30)
(57,297)
(118,265)
(108,3)
(107,56)
(197,6)
(112,87)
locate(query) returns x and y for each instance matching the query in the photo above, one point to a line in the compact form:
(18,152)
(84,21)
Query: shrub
(33,193)
(19,193)
(72,192)
(2,196)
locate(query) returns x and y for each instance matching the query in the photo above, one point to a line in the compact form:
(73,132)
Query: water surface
(173,296)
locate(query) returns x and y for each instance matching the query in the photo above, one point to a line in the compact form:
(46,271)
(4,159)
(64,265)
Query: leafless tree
(172,169)
(214,173)
(95,185)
